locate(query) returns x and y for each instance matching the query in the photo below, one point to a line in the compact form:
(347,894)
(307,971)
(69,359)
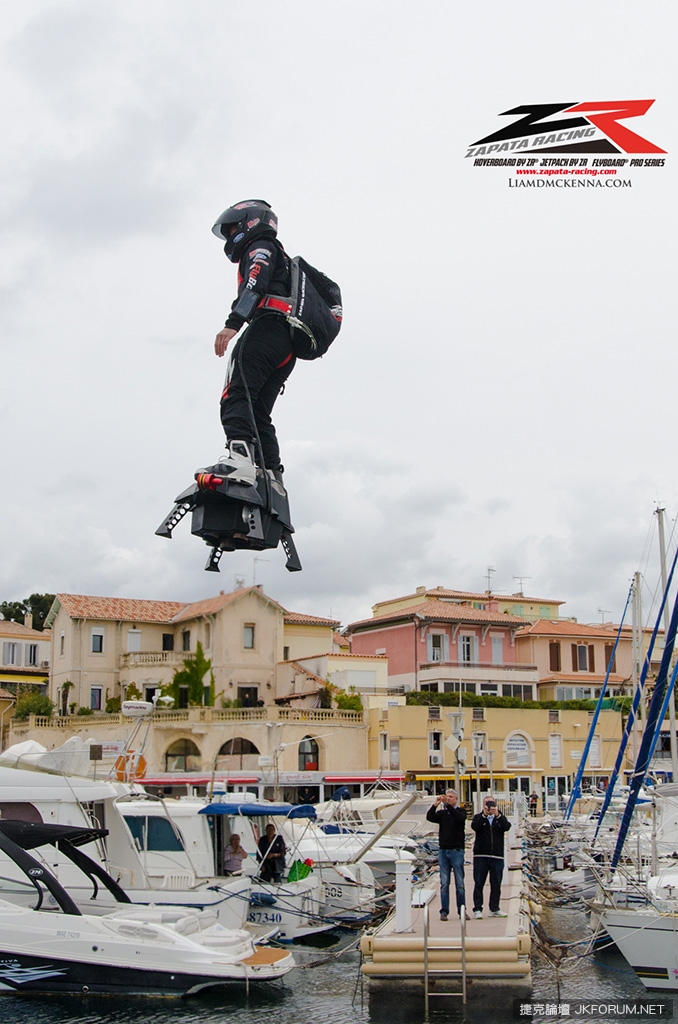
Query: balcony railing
(137,659)
(504,667)
(271,713)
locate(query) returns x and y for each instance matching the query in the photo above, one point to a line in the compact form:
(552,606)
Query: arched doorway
(182,756)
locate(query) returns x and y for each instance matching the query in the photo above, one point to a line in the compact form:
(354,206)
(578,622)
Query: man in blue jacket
(451,822)
(488,855)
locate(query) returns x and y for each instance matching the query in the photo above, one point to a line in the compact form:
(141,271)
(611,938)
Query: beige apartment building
(506,750)
(262,657)
(572,658)
(101,645)
(24,654)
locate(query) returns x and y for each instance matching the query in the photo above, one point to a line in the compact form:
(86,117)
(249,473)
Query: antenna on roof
(490,572)
(239,582)
(254,567)
(603,612)
(520,582)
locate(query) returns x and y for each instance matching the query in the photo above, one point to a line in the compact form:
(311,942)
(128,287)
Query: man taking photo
(451,821)
(488,855)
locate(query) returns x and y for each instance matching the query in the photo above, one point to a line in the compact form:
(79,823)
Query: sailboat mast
(637,657)
(672,699)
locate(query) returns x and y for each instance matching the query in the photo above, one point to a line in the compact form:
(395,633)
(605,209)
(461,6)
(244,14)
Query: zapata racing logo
(583,128)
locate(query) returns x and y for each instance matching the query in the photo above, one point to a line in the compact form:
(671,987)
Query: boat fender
(262,899)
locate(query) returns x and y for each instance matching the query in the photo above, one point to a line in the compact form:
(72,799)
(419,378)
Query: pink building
(442,641)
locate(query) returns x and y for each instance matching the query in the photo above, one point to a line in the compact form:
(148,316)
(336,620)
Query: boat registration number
(264,917)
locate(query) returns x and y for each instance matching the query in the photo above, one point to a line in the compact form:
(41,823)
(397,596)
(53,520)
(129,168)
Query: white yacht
(137,950)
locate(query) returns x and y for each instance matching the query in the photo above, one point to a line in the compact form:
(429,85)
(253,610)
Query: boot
(276,476)
(237,463)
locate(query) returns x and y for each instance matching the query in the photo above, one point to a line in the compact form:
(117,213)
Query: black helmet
(253,218)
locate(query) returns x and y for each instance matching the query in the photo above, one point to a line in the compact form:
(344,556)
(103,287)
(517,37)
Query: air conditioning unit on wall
(435,759)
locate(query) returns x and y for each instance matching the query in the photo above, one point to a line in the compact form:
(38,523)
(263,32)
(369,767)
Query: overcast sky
(502,392)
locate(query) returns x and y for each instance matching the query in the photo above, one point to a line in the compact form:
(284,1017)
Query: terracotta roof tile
(309,674)
(561,627)
(296,696)
(299,619)
(79,606)
(440,611)
(17,629)
(469,595)
(212,605)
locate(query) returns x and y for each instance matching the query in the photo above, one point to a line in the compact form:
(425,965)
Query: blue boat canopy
(261,810)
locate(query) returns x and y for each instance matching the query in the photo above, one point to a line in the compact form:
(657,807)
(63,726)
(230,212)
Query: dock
(430,952)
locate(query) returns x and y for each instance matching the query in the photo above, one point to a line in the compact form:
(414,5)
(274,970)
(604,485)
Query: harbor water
(328,989)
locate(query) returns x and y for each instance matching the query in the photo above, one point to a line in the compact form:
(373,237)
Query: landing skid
(233,516)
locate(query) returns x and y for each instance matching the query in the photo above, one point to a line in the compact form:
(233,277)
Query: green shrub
(85,711)
(32,702)
(348,701)
(476,700)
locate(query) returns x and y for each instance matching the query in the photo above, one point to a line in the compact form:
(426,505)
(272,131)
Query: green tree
(192,675)
(37,604)
(32,702)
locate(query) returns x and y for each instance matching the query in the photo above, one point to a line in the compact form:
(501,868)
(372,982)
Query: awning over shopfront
(367,777)
(197,779)
(449,776)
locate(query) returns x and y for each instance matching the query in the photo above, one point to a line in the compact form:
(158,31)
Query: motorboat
(368,814)
(297,907)
(38,797)
(347,891)
(150,950)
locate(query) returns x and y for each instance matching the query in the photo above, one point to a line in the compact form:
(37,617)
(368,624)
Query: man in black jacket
(451,822)
(488,855)
(263,358)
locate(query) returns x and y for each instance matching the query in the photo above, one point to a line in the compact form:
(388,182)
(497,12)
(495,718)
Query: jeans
(482,866)
(451,861)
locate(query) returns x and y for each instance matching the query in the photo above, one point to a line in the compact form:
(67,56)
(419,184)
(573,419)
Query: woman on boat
(233,855)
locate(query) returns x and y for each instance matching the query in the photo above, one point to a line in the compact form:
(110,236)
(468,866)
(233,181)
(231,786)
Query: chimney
(28,620)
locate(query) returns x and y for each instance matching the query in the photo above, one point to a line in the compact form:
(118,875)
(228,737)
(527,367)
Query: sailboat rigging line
(649,739)
(576,788)
(630,721)
(658,587)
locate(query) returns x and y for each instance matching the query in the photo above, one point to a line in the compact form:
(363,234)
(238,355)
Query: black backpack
(316,312)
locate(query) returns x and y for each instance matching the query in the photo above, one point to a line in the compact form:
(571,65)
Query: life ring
(130,766)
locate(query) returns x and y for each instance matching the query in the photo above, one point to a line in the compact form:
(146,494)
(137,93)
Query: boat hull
(649,942)
(47,975)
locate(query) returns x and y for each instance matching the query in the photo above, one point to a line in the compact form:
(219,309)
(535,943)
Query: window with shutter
(592,659)
(610,658)
(575,663)
(436,647)
(554,656)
